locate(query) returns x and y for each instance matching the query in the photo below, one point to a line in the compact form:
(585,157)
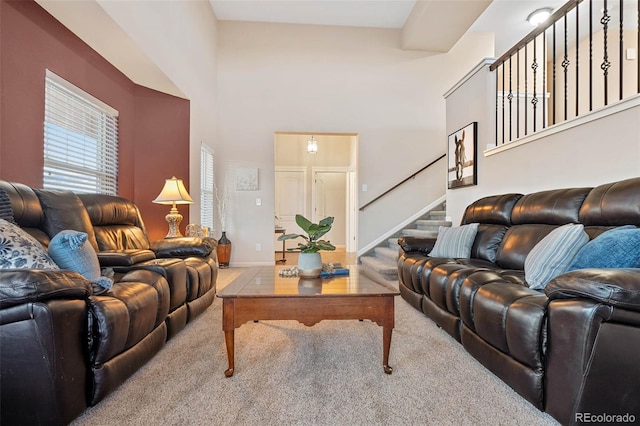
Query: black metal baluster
(605,63)
(518,93)
(621,49)
(526,93)
(590,55)
(534,67)
(496,71)
(503,124)
(544,79)
(510,97)
(553,115)
(565,65)
(577,61)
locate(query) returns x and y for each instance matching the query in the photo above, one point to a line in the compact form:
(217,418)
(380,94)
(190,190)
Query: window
(206,187)
(80,140)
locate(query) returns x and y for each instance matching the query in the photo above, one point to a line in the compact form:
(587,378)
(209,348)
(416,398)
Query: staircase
(381,261)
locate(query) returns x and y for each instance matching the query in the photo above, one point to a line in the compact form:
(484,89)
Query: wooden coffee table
(261,294)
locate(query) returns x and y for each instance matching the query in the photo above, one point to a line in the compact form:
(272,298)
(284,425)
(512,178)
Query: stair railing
(584,57)
(402,182)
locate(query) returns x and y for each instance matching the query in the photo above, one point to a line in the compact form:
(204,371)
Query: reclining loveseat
(569,344)
(66,343)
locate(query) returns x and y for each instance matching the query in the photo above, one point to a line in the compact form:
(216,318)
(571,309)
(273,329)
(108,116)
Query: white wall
(603,150)
(307,78)
(181,39)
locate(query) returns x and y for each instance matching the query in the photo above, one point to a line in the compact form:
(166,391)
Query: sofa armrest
(18,286)
(124,257)
(613,287)
(414,244)
(183,247)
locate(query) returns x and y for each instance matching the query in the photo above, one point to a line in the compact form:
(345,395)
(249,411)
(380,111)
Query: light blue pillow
(71,250)
(616,248)
(553,254)
(455,242)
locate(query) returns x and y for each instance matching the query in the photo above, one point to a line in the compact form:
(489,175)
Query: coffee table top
(265,281)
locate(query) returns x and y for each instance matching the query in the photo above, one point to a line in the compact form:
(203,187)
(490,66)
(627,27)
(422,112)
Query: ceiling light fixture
(538,16)
(312,146)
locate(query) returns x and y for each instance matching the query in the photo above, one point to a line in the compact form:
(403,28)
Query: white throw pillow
(455,242)
(553,254)
(19,250)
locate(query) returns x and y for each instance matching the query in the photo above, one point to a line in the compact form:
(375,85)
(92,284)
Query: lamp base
(173,219)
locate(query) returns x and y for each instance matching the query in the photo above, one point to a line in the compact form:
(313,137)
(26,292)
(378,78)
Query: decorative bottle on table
(224,250)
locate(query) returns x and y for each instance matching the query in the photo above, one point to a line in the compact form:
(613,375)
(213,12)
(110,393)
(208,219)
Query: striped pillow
(455,242)
(553,254)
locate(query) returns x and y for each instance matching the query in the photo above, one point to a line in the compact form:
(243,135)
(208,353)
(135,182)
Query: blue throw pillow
(455,242)
(71,250)
(553,254)
(616,248)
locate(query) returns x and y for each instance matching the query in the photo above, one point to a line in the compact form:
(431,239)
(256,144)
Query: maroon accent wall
(151,124)
(162,122)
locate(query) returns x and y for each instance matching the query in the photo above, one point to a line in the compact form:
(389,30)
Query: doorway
(317,185)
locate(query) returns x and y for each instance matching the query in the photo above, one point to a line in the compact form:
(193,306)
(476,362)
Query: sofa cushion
(553,254)
(71,250)
(455,242)
(555,207)
(494,209)
(6,212)
(612,204)
(616,248)
(64,210)
(487,241)
(19,250)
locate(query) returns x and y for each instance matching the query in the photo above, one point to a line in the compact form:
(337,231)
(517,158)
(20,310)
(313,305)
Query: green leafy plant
(314,231)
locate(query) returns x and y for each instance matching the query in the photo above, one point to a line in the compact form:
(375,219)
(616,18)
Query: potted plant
(310,262)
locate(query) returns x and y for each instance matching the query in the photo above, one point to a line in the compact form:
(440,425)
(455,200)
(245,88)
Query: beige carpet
(328,374)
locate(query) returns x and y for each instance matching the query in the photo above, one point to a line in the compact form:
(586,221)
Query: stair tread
(379,265)
(386,253)
(419,233)
(430,222)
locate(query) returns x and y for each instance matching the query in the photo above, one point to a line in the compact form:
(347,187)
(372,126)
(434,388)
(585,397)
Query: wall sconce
(312,146)
(173,193)
(538,16)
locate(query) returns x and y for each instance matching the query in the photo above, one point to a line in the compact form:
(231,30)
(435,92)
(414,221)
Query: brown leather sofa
(571,349)
(63,347)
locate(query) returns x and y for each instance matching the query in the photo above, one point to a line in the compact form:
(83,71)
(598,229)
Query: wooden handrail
(403,181)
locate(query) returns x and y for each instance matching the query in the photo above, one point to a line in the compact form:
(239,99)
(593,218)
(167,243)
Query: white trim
(625,104)
(79,92)
(483,63)
(401,226)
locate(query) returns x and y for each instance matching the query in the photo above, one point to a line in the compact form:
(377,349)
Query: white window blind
(206,187)
(80,140)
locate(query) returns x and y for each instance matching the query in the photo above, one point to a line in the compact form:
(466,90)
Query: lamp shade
(173,192)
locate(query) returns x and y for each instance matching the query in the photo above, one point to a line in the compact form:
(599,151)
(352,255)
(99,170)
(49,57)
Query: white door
(330,199)
(291,193)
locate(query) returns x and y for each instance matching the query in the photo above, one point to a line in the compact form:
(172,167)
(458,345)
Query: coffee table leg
(229,339)
(386,345)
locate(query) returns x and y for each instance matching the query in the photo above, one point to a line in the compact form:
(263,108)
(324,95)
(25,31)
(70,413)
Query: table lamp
(173,193)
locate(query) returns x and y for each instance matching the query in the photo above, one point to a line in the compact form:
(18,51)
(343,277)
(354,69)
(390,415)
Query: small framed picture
(462,157)
(246,179)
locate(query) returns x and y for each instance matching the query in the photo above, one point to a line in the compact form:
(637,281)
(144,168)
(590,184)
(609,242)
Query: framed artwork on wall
(462,157)
(246,179)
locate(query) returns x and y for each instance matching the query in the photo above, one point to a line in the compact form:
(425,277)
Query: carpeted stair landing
(328,374)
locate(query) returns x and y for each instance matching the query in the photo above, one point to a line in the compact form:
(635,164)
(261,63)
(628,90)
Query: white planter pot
(309,265)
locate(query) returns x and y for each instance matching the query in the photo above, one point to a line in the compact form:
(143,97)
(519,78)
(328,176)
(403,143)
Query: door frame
(350,201)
